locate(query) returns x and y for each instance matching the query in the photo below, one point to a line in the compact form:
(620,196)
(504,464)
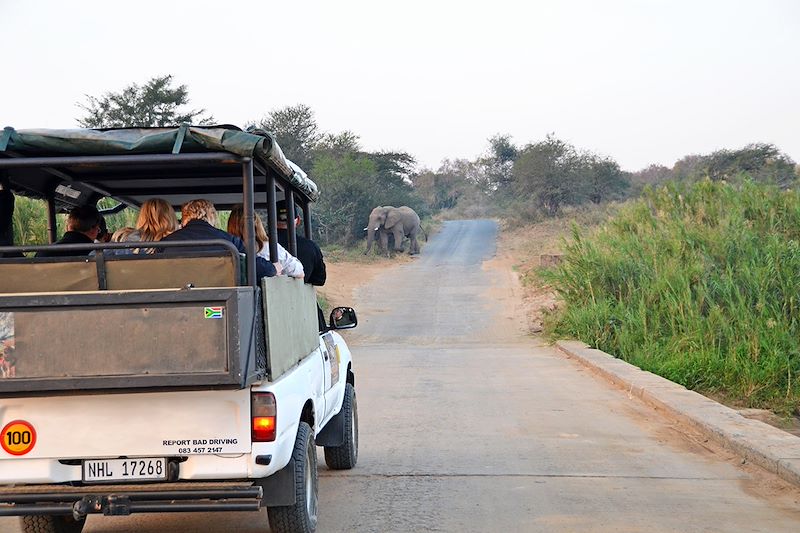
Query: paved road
(468,425)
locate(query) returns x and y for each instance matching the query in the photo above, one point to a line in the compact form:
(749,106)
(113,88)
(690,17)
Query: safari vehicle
(177,382)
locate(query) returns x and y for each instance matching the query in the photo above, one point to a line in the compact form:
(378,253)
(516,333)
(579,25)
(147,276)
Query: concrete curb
(759,443)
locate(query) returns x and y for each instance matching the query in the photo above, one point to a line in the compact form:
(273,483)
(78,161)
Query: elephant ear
(392,218)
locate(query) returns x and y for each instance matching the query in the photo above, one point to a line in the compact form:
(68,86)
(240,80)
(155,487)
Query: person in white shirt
(290,265)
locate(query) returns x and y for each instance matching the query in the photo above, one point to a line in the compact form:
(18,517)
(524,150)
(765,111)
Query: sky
(644,82)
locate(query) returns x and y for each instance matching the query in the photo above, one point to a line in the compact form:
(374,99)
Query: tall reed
(698,283)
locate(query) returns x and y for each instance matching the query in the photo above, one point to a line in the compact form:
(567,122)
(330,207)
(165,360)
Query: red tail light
(264,417)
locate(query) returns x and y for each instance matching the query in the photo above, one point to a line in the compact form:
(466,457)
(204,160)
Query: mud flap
(279,488)
(332,435)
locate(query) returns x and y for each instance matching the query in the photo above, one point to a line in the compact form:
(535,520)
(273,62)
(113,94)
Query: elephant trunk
(370,238)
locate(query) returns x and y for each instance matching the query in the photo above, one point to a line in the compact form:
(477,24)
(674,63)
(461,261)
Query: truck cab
(164,382)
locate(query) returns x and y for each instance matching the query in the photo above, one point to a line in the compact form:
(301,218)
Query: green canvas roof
(133,184)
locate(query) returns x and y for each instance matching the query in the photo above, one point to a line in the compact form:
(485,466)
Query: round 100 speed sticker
(18,437)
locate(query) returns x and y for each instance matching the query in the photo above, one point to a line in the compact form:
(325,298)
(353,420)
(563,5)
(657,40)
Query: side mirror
(343,318)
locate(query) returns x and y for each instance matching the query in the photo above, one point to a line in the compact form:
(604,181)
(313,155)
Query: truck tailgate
(141,424)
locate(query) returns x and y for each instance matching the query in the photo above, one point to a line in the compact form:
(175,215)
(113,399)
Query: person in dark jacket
(309,254)
(198,221)
(6,214)
(83,226)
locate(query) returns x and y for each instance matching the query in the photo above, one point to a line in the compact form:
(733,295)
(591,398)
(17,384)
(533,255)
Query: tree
(652,175)
(350,193)
(354,182)
(445,187)
(547,172)
(498,164)
(155,103)
(759,161)
(296,131)
(339,143)
(602,178)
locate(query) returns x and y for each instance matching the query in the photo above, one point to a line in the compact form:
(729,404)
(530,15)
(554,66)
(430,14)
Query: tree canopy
(154,103)
(296,131)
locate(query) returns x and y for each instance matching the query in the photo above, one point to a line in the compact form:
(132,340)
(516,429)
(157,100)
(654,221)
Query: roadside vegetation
(695,282)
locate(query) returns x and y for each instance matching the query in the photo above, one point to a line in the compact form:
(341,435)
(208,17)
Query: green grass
(336,253)
(324,304)
(699,284)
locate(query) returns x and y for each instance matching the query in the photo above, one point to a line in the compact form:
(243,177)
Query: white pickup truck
(164,382)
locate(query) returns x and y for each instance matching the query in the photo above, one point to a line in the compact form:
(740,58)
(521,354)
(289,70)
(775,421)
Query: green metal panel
(290,316)
(118,341)
(128,340)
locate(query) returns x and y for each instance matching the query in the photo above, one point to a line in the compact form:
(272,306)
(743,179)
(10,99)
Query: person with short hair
(309,254)
(198,220)
(83,226)
(290,266)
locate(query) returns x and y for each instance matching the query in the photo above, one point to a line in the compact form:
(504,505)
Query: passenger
(83,226)
(126,234)
(7,218)
(123,234)
(103,235)
(290,265)
(156,220)
(6,214)
(309,254)
(198,221)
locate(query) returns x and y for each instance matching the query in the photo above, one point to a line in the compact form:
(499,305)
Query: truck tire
(344,457)
(302,516)
(50,524)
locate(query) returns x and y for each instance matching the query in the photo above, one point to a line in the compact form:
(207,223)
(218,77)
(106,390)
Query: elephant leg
(398,239)
(384,240)
(414,245)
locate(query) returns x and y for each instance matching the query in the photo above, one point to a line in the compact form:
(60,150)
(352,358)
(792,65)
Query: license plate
(143,468)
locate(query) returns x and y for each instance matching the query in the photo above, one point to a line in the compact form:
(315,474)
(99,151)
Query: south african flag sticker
(213,312)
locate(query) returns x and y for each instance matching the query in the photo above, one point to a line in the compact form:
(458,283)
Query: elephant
(400,222)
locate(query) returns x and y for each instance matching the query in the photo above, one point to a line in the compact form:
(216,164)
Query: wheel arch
(307,413)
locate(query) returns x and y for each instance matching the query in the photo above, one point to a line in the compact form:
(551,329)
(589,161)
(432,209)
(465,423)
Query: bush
(698,284)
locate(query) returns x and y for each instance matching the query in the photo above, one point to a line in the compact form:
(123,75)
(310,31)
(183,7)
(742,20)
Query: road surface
(469,425)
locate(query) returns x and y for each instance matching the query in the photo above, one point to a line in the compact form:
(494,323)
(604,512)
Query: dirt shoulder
(344,277)
(520,251)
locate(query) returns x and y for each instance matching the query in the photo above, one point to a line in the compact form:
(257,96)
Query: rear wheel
(50,524)
(302,516)
(344,457)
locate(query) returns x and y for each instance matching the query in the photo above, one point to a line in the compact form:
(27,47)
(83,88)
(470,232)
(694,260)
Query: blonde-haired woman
(156,220)
(291,266)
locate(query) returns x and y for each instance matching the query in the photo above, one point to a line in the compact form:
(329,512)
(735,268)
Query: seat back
(170,272)
(118,272)
(48,275)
